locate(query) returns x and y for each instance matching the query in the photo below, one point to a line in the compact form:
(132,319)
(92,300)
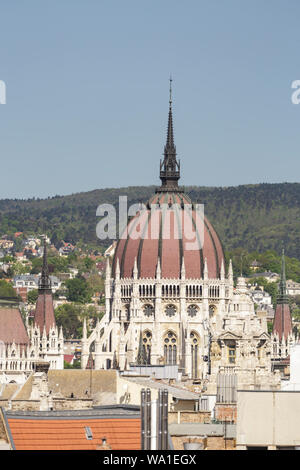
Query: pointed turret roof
(282,292)
(282,324)
(44,313)
(45,282)
(170,167)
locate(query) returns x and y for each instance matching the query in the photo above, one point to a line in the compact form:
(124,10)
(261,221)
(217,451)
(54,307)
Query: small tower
(282,324)
(170,166)
(44,320)
(282,334)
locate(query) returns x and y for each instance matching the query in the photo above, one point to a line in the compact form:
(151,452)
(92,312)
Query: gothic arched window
(147,338)
(170,348)
(212,310)
(194,338)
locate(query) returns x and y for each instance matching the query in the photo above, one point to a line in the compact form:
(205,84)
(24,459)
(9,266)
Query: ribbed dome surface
(155,235)
(173,236)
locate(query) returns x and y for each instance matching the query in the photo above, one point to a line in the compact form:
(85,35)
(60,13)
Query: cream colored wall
(268,418)
(130,393)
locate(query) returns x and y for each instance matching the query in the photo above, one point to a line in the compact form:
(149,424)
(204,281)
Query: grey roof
(265,274)
(33,277)
(175,391)
(199,429)
(128,411)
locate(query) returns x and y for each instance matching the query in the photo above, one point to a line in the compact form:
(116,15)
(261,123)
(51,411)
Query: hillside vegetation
(253,217)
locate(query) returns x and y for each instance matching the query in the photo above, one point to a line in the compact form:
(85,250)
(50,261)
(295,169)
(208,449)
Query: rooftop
(75,430)
(175,391)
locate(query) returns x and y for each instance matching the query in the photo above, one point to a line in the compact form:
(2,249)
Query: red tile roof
(70,434)
(12,328)
(68,358)
(178,234)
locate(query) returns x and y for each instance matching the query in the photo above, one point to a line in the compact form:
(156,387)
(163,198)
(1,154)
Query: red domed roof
(171,237)
(164,235)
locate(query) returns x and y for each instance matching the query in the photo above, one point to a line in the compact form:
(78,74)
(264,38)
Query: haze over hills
(254,217)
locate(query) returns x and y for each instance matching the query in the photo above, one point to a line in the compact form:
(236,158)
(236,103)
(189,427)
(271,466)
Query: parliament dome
(169,237)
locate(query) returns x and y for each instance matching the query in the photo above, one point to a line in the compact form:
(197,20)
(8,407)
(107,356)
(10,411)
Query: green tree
(88,263)
(68,316)
(96,283)
(32,296)
(7,290)
(78,290)
(76,364)
(18,268)
(36,265)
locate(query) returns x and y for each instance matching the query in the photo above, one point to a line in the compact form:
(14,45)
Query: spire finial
(45,282)
(282,293)
(170,79)
(170,167)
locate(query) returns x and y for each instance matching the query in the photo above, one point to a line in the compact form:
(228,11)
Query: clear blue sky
(87,92)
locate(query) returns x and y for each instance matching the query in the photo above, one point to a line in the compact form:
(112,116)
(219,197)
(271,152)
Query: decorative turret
(169,167)
(205,272)
(158,269)
(44,281)
(222,272)
(282,325)
(135,269)
(44,313)
(182,269)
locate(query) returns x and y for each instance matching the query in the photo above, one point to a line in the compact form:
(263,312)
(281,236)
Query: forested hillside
(255,217)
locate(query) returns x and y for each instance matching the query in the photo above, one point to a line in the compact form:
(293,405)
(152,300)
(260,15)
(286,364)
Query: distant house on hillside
(255,265)
(293,288)
(20,256)
(263,300)
(31,281)
(6,244)
(66,249)
(268,275)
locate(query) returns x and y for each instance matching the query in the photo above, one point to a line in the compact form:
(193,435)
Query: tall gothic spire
(44,316)
(45,282)
(170,167)
(170,147)
(282,324)
(282,292)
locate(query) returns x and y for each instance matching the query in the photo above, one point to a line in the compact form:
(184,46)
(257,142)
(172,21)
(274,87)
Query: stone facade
(206,326)
(169,299)
(189,417)
(207,443)
(17,361)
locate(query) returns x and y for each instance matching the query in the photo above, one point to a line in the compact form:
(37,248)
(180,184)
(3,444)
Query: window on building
(170,348)
(148,310)
(231,353)
(170,310)
(192,310)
